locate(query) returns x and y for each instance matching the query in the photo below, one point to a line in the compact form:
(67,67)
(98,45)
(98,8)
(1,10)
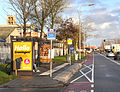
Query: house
(14,30)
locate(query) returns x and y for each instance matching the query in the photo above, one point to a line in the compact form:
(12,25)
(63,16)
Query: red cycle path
(89,60)
(81,86)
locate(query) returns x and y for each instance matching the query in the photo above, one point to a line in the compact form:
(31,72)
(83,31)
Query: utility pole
(80,29)
(80,32)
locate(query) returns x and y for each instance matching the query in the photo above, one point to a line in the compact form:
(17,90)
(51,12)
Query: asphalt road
(107,74)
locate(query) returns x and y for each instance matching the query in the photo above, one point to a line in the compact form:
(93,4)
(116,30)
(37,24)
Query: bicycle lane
(83,80)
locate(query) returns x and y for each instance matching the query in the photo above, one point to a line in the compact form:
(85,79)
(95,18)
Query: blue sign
(51,30)
(71,48)
(51,34)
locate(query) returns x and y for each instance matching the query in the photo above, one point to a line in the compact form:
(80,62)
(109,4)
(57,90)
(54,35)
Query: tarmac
(61,74)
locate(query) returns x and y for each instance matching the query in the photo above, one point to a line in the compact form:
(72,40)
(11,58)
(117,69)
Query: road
(98,74)
(106,76)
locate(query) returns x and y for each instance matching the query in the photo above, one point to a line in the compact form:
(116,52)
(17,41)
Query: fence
(5,53)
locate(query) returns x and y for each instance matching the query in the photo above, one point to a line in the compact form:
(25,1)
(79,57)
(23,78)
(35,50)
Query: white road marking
(85,66)
(88,66)
(80,77)
(110,59)
(92,85)
(86,76)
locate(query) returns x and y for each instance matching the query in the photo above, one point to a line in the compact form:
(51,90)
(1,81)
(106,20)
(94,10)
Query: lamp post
(80,32)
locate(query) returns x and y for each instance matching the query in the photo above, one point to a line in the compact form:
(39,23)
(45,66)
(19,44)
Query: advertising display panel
(22,53)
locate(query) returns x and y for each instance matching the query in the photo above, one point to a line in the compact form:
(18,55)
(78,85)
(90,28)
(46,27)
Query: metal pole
(84,43)
(70,57)
(51,60)
(15,69)
(80,38)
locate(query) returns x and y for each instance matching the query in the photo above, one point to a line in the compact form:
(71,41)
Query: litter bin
(68,59)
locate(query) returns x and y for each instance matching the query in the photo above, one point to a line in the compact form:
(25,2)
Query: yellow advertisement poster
(22,50)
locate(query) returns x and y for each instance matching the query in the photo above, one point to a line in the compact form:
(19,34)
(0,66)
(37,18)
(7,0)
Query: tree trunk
(24,28)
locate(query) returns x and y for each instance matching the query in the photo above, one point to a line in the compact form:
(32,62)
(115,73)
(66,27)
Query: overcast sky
(105,15)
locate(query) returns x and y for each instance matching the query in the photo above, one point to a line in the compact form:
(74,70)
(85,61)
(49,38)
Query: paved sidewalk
(55,69)
(33,82)
(60,77)
(44,81)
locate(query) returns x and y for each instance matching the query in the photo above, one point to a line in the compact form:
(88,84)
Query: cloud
(105,25)
(104,14)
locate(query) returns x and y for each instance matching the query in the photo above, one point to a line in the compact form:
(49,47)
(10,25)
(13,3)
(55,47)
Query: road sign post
(51,36)
(69,42)
(71,49)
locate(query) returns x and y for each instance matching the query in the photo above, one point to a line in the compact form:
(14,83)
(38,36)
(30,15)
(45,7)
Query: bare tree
(45,13)
(23,9)
(68,30)
(57,6)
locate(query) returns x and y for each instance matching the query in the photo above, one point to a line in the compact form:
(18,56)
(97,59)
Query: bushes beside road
(5,73)
(5,68)
(5,77)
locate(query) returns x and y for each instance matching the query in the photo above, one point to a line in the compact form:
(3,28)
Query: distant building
(116,47)
(16,31)
(11,20)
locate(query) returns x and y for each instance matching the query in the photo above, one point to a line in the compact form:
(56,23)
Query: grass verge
(62,59)
(59,59)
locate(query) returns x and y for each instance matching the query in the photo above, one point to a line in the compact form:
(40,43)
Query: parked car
(110,54)
(117,56)
(101,51)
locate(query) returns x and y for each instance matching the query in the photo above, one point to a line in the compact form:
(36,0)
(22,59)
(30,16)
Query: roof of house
(5,32)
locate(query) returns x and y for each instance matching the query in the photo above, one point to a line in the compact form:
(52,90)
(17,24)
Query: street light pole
(80,29)
(80,33)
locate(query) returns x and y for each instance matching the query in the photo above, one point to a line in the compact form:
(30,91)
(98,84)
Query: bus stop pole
(51,60)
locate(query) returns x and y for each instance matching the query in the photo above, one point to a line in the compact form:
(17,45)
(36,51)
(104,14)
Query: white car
(110,54)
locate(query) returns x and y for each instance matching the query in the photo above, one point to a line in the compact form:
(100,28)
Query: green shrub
(5,77)
(5,68)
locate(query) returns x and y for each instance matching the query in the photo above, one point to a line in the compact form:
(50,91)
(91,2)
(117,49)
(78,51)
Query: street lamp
(80,31)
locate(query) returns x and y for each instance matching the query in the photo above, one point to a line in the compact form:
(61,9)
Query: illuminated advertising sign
(22,50)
